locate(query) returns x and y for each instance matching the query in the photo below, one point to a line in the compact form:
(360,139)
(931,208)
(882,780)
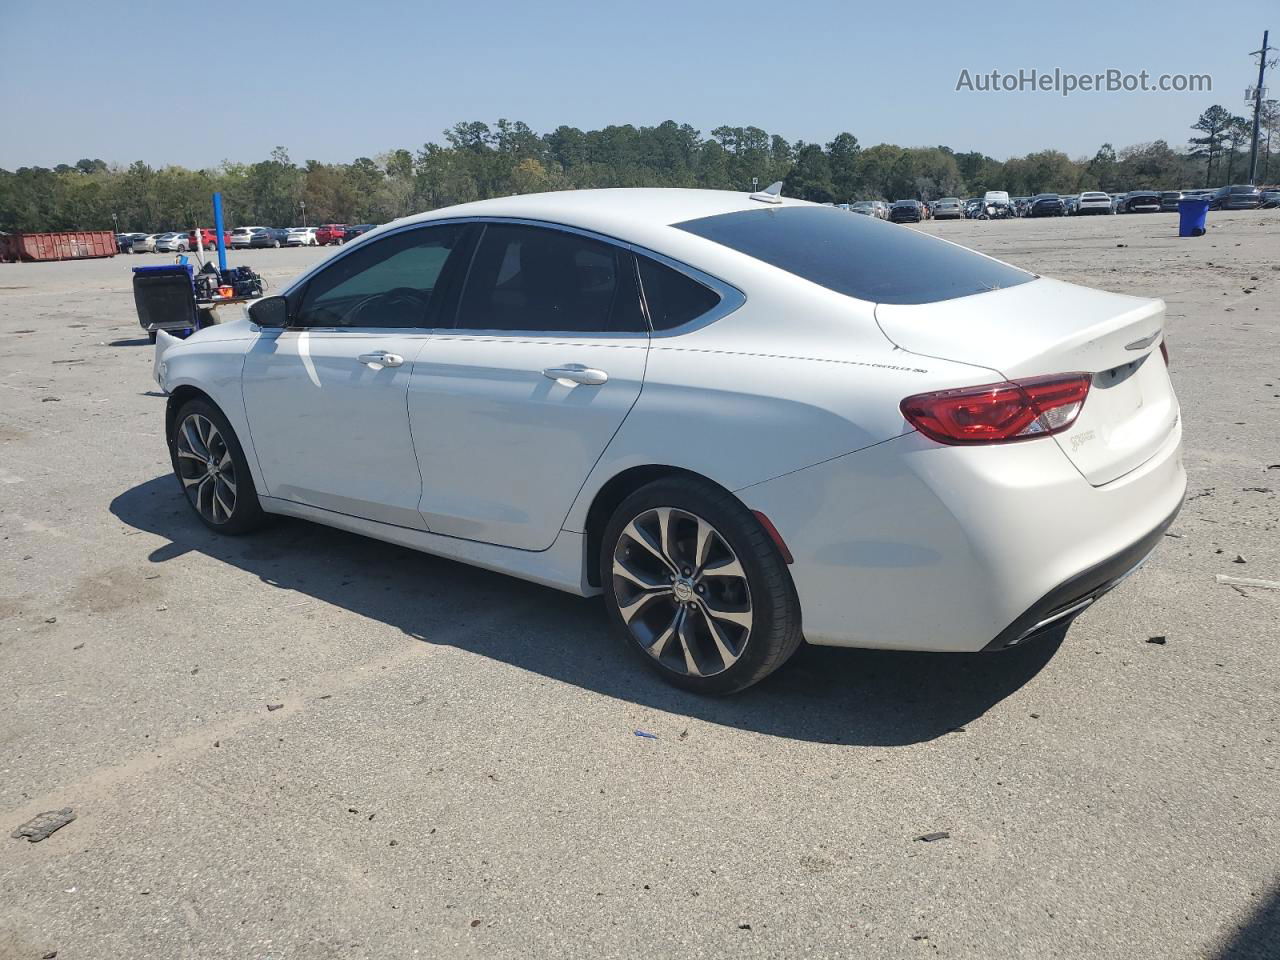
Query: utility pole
(1257,104)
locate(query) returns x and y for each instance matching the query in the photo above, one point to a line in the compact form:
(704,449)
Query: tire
(207,491)
(276,244)
(666,607)
(151,335)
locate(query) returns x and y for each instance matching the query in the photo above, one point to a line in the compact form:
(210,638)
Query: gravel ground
(454,770)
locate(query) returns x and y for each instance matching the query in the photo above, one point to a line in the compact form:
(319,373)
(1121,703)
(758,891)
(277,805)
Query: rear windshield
(1244,189)
(858,256)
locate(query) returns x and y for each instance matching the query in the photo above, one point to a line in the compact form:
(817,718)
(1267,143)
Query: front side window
(550,281)
(388,283)
(858,256)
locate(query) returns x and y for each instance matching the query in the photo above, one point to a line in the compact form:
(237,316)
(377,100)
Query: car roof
(618,210)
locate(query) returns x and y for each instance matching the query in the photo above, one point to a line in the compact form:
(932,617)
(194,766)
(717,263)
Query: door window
(389,283)
(549,281)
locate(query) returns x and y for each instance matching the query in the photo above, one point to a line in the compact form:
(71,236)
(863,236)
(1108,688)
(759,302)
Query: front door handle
(572,373)
(379,360)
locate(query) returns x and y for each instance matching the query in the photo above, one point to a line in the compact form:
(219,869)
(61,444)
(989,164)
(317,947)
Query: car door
(325,397)
(512,407)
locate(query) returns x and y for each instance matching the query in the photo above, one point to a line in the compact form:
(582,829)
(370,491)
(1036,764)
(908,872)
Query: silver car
(173,243)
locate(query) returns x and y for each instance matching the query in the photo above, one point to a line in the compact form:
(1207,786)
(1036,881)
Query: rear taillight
(1164,351)
(999,412)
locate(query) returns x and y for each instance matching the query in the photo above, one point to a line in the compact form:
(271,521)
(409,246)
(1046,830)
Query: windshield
(858,256)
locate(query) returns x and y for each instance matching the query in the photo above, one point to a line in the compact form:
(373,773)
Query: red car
(208,237)
(330,233)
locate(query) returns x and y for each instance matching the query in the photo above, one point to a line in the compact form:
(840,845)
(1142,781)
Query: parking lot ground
(454,769)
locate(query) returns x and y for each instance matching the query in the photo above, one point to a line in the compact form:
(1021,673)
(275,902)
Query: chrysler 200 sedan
(745,420)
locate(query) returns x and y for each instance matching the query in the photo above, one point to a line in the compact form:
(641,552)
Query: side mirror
(270,312)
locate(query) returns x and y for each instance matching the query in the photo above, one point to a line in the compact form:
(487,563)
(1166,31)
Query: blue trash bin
(1191,217)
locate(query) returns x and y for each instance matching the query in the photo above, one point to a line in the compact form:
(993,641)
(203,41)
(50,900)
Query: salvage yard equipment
(174,298)
(73,245)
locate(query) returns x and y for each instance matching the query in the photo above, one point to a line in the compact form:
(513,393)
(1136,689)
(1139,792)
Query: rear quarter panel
(796,376)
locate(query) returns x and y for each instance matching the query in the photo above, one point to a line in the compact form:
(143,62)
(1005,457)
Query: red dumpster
(72,245)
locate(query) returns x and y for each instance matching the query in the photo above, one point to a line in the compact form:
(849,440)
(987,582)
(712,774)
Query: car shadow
(1258,938)
(827,695)
(131,342)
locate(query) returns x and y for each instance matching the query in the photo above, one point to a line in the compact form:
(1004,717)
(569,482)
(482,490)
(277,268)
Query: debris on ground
(50,619)
(646,734)
(1158,640)
(1258,489)
(1239,559)
(50,399)
(42,825)
(744,926)
(1247,582)
(274,706)
(931,837)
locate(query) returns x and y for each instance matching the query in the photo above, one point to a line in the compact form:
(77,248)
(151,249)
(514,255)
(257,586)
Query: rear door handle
(381,359)
(576,373)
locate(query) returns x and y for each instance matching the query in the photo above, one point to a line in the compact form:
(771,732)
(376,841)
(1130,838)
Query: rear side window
(549,281)
(858,256)
(672,298)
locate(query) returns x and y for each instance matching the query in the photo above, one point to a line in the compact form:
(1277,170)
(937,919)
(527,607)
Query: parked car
(972,207)
(360,229)
(330,233)
(1270,199)
(144,243)
(948,208)
(916,505)
(882,209)
(1092,202)
(1117,202)
(243,237)
(1140,201)
(1240,196)
(1046,205)
(125,241)
(865,207)
(268,237)
(1169,200)
(1069,204)
(301,237)
(208,237)
(906,211)
(172,243)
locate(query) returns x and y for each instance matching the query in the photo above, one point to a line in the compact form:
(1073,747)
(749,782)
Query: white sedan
(301,237)
(746,420)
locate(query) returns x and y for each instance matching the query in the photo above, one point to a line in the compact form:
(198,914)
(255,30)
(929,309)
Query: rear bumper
(1057,608)
(912,545)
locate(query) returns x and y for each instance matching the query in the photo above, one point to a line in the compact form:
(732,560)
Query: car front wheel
(697,586)
(211,467)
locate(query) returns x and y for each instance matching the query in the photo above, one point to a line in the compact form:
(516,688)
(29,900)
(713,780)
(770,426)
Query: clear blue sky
(197,83)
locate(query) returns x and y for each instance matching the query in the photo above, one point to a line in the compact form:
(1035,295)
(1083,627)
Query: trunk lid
(1049,327)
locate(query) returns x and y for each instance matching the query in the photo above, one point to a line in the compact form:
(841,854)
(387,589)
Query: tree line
(478,160)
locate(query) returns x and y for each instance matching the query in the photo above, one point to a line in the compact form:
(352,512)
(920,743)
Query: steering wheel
(396,299)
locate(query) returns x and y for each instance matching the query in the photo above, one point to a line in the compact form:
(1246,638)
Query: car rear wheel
(697,587)
(211,468)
